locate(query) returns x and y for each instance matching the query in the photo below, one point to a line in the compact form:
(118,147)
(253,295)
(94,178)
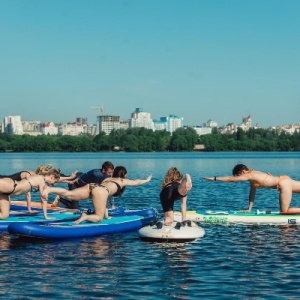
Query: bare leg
(106,216)
(77,194)
(295,186)
(56,201)
(99,197)
(185,185)
(168,218)
(6,185)
(4,207)
(285,197)
(82,218)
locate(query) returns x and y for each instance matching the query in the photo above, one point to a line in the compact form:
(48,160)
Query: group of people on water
(102,185)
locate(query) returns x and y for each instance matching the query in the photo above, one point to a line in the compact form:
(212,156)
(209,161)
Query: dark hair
(120,172)
(238,169)
(107,165)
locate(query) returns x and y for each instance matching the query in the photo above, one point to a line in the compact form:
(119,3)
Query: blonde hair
(48,170)
(43,170)
(55,172)
(173,174)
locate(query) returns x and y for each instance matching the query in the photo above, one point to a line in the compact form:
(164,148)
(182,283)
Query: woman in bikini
(41,170)
(284,184)
(174,187)
(112,186)
(10,187)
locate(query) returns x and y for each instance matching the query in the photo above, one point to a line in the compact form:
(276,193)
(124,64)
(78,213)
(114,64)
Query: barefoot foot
(56,201)
(188,184)
(82,218)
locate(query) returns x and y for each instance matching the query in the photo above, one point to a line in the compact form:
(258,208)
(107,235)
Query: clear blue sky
(200,60)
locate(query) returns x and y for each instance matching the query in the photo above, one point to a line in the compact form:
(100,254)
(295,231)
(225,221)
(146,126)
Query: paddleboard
(186,231)
(237,217)
(68,230)
(22,205)
(145,212)
(26,218)
(118,211)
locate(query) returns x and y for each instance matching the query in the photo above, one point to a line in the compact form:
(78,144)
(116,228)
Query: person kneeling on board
(284,184)
(111,186)
(174,187)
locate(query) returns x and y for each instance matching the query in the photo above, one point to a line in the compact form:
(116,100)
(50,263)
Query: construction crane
(101,108)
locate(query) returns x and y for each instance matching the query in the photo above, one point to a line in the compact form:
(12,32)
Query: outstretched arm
(68,179)
(137,182)
(227,178)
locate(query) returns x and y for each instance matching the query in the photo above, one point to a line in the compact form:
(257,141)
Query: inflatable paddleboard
(24,216)
(68,230)
(237,217)
(144,212)
(22,205)
(118,211)
(186,231)
(27,217)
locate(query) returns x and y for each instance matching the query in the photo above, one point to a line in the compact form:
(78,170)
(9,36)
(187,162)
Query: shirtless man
(284,184)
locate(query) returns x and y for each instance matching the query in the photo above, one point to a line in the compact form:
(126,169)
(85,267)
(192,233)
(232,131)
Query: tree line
(140,139)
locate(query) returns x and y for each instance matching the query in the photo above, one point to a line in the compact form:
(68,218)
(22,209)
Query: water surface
(236,261)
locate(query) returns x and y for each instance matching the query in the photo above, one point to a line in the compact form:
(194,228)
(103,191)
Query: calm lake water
(229,262)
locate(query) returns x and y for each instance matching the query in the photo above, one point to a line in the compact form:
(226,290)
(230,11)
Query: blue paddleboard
(67,229)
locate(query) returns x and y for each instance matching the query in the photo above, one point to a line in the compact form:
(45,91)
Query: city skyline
(218,60)
(243,120)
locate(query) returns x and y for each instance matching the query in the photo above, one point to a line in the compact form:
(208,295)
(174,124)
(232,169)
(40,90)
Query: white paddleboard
(177,232)
(266,217)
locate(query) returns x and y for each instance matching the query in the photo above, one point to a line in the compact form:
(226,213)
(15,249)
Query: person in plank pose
(10,187)
(284,184)
(82,179)
(99,192)
(174,187)
(41,170)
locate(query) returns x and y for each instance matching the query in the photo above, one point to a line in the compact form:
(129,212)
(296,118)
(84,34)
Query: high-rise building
(173,122)
(246,123)
(139,118)
(107,123)
(13,125)
(82,120)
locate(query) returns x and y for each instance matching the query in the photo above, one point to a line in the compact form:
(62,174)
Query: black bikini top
(119,191)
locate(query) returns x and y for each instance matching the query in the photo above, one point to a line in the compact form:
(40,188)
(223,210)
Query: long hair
(120,172)
(43,170)
(173,174)
(55,172)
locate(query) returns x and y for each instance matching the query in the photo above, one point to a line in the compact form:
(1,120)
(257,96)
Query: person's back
(92,176)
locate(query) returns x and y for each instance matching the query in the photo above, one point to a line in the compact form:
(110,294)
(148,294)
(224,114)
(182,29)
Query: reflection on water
(5,242)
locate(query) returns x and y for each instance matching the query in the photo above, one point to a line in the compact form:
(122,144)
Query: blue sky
(213,59)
